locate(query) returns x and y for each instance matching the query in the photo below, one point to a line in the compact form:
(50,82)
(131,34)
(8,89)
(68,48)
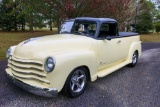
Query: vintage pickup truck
(91,48)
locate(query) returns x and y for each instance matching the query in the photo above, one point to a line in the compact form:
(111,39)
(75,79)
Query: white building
(156,3)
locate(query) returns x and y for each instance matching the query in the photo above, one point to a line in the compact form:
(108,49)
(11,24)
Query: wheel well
(137,52)
(87,70)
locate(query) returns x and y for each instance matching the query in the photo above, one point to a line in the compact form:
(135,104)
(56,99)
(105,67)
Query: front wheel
(76,83)
(134,59)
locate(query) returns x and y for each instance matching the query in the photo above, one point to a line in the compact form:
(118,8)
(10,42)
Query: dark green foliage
(145,23)
(5,19)
(29,9)
(158,17)
(18,13)
(10,16)
(157,27)
(145,19)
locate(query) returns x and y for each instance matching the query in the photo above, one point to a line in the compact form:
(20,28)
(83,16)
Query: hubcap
(134,58)
(78,81)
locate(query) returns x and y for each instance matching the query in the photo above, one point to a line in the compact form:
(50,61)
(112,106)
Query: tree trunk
(31,27)
(58,23)
(24,24)
(50,24)
(23,27)
(50,27)
(31,23)
(15,23)
(15,26)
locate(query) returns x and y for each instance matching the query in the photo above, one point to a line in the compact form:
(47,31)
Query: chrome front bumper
(46,92)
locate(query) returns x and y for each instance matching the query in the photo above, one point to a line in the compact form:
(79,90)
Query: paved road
(127,87)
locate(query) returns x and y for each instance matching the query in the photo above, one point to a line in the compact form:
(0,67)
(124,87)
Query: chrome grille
(27,69)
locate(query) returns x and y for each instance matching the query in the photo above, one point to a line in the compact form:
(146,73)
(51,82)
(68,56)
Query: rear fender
(136,46)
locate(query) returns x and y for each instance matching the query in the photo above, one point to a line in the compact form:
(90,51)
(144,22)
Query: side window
(104,27)
(85,28)
(80,28)
(92,27)
(108,29)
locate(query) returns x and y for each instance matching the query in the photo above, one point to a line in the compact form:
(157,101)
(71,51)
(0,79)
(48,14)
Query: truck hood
(34,47)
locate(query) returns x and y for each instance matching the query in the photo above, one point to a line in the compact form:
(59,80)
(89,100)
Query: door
(110,51)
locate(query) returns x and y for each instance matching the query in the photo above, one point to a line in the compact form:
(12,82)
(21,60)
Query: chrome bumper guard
(45,92)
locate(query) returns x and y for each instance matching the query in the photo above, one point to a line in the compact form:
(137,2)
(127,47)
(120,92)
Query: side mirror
(109,38)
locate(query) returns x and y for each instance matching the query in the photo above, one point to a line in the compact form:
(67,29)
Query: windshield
(87,28)
(66,26)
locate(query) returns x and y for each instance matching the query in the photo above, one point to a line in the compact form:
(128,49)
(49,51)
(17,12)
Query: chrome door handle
(119,41)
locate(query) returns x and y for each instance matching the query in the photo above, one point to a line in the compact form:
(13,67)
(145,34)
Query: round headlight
(50,64)
(8,53)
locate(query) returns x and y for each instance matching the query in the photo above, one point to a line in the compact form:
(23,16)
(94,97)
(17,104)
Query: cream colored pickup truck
(87,49)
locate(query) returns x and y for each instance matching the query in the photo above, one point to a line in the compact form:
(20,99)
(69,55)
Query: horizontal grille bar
(26,61)
(25,65)
(31,77)
(25,71)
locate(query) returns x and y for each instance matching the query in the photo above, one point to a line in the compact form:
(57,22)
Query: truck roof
(96,19)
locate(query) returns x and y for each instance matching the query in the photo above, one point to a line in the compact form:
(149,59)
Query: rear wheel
(134,59)
(76,83)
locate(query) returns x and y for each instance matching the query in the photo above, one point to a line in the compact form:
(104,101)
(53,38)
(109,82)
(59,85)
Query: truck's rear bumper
(46,92)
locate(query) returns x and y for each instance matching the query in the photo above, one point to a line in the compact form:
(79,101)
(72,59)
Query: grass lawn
(8,39)
(154,37)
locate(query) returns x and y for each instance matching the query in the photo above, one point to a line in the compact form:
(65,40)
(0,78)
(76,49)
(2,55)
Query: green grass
(154,37)
(8,39)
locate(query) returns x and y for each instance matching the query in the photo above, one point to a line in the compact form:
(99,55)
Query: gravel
(127,87)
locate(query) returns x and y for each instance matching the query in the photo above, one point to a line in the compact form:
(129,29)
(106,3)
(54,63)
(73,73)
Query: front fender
(66,63)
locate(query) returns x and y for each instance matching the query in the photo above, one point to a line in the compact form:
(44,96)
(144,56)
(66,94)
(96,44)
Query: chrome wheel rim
(78,81)
(134,58)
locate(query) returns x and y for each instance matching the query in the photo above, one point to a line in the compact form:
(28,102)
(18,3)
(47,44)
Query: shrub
(157,27)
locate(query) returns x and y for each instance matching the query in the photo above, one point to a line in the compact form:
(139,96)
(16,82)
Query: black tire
(76,83)
(134,59)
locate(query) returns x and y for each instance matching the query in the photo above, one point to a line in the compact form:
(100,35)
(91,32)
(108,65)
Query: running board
(111,69)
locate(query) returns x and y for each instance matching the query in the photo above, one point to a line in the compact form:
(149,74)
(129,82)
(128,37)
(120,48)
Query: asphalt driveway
(127,87)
